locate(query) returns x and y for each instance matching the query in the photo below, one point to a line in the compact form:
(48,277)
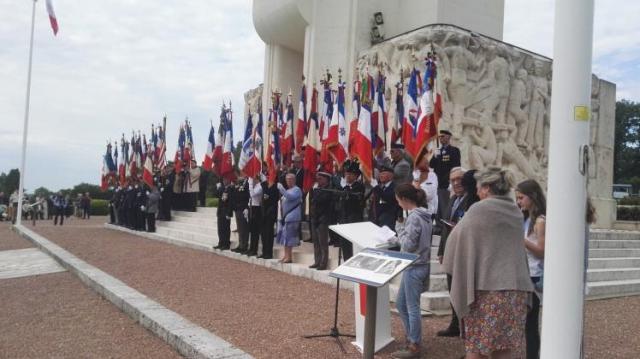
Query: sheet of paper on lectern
(365,234)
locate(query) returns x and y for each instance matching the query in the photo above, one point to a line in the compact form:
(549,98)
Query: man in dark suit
(352,202)
(322,215)
(240,204)
(452,214)
(445,158)
(224,214)
(270,198)
(385,206)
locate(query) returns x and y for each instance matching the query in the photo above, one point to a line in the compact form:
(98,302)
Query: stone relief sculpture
(496,97)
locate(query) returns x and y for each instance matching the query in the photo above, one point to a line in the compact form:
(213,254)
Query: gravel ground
(10,240)
(56,316)
(265,312)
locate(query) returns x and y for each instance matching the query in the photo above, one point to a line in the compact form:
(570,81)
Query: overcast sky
(122,64)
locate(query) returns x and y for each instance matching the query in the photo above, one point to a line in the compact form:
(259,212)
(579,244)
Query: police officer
(322,215)
(384,203)
(270,198)
(129,204)
(140,207)
(443,160)
(352,202)
(224,214)
(240,204)
(166,190)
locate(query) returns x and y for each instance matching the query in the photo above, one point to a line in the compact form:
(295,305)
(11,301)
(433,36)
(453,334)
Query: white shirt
(430,188)
(255,193)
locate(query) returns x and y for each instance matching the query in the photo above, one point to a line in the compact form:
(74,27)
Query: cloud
(120,65)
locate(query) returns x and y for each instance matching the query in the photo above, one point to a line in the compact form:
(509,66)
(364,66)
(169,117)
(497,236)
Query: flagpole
(26,122)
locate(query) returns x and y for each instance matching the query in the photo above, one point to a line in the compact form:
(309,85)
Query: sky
(121,65)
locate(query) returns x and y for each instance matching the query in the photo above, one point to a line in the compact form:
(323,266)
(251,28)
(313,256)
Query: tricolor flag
(108,169)
(258,140)
(409,127)
(207,164)
(287,144)
(396,127)
(312,145)
(226,165)
(178,160)
(161,147)
(355,108)
(338,142)
(52,17)
(426,125)
(147,173)
(273,150)
(188,145)
(122,172)
(379,117)
(301,125)
(362,143)
(249,163)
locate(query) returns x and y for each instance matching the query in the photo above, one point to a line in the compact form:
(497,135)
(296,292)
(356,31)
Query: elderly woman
(290,217)
(485,255)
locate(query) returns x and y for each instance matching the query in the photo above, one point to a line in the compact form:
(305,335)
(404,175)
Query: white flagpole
(26,122)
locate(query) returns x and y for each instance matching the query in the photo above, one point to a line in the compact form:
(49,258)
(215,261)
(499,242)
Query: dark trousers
(112,214)
(131,218)
(255,227)
(243,230)
(268,233)
(321,244)
(224,232)
(443,202)
(85,213)
(151,222)
(532,326)
(140,220)
(59,213)
(455,323)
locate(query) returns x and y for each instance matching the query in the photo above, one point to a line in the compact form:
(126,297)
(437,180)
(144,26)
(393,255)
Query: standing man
(129,205)
(401,167)
(444,159)
(166,190)
(240,205)
(204,179)
(255,215)
(270,198)
(113,206)
(224,214)
(321,214)
(384,203)
(59,205)
(352,207)
(140,206)
(153,201)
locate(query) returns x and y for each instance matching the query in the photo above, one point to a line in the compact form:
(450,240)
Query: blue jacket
(291,198)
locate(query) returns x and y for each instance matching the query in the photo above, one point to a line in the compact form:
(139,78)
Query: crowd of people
(491,233)
(52,207)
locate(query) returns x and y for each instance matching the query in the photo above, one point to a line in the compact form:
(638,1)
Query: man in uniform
(384,203)
(129,205)
(322,211)
(401,167)
(445,158)
(352,207)
(255,215)
(270,198)
(166,191)
(140,207)
(224,214)
(240,205)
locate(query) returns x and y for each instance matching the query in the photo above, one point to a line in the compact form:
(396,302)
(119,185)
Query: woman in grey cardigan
(486,258)
(414,237)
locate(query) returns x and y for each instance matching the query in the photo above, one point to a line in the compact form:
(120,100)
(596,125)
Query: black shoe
(449,332)
(217,247)
(266,257)
(313,266)
(224,248)
(321,268)
(237,250)
(307,240)
(251,254)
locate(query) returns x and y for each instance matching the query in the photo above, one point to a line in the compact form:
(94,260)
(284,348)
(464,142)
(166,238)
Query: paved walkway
(54,315)
(264,312)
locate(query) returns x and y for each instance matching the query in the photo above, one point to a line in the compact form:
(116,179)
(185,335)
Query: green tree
(10,181)
(626,148)
(94,191)
(42,192)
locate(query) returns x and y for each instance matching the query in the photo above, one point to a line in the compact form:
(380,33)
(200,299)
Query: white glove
(280,186)
(250,181)
(263,177)
(162,189)
(228,218)
(315,185)
(218,185)
(374,182)
(245,213)
(416,175)
(148,193)
(142,208)
(343,182)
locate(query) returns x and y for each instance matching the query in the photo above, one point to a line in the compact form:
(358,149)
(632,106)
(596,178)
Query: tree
(626,148)
(42,192)
(94,191)
(10,182)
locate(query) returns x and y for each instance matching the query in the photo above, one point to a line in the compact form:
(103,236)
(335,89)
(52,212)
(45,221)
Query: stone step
(614,252)
(181,235)
(613,243)
(614,288)
(614,262)
(612,274)
(197,220)
(614,235)
(194,214)
(206,230)
(207,210)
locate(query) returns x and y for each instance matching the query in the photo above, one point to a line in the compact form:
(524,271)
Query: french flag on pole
(52,17)
(207,164)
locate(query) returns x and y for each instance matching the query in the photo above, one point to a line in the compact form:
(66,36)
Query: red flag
(412,114)
(226,166)
(355,108)
(363,150)
(52,17)
(147,174)
(207,164)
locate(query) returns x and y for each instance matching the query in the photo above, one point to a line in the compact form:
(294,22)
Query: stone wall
(496,101)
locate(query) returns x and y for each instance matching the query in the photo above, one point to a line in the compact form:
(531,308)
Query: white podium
(356,233)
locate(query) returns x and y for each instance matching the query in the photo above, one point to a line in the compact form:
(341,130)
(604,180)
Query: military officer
(352,202)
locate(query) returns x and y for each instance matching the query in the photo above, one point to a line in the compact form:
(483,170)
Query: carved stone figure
(517,101)
(539,89)
(497,85)
(484,148)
